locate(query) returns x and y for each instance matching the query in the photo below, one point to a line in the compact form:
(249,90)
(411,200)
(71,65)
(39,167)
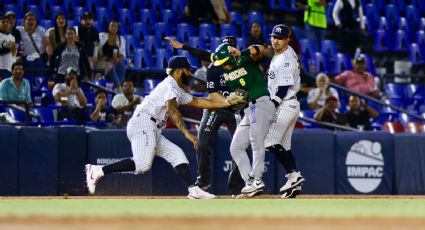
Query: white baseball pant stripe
(280,131)
(147,142)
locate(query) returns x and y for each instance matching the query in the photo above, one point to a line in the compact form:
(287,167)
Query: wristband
(257,49)
(245,52)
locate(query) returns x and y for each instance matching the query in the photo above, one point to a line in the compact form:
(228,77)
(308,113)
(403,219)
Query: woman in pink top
(358,79)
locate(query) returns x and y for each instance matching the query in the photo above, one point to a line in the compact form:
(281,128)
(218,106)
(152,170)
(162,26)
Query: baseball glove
(238,99)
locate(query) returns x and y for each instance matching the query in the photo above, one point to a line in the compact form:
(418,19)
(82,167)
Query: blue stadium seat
(162,30)
(14,8)
(78,11)
(148,17)
(422,24)
(169,17)
(399,4)
(255,16)
(184,32)
(379,4)
(70,4)
(420,4)
(17,115)
(308,114)
(55,10)
(100,26)
(299,32)
(321,63)
(37,10)
(394,90)
(158,5)
(401,42)
(382,41)
(413,16)
(140,30)
(228,30)
(370,64)
(328,12)
(416,91)
(143,59)
(115,5)
(383,24)
(280,5)
(178,6)
(92,5)
(45,114)
(194,42)
(137,5)
(420,38)
(237,18)
(416,55)
(162,57)
(341,63)
(308,48)
(215,42)
(152,44)
(388,110)
(131,44)
(46,23)
(392,14)
(330,48)
(241,43)
(103,15)
(126,16)
(207,31)
(372,17)
(194,61)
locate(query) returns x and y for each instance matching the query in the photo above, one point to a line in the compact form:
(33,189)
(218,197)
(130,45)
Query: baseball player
(212,119)
(283,84)
(144,130)
(242,72)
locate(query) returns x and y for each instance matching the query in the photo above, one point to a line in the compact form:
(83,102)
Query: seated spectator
(198,82)
(70,54)
(329,113)
(317,96)
(256,37)
(7,48)
(15,32)
(34,41)
(56,34)
(359,114)
(125,103)
(111,54)
(89,37)
(70,95)
(358,79)
(103,112)
(16,87)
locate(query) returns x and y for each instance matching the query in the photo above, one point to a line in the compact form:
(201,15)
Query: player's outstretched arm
(176,117)
(255,51)
(203,103)
(199,53)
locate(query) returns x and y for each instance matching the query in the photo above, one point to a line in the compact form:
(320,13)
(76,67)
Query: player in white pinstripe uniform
(283,84)
(144,133)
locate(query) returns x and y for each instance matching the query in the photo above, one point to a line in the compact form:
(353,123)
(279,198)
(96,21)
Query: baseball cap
(86,15)
(331,98)
(70,70)
(10,13)
(360,58)
(176,62)
(229,40)
(281,31)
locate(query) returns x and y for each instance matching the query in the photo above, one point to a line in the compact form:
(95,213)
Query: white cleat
(93,174)
(253,186)
(292,193)
(197,193)
(294,179)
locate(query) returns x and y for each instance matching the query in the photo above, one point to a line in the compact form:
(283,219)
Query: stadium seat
(308,48)
(415,91)
(126,16)
(330,48)
(92,5)
(420,38)
(169,17)
(416,55)
(55,10)
(422,24)
(158,5)
(46,23)
(100,26)
(372,17)
(393,127)
(228,30)
(207,31)
(194,61)
(143,59)
(420,4)
(178,6)
(148,17)
(402,24)
(194,42)
(413,17)
(255,16)
(152,44)
(78,11)
(237,18)
(162,30)
(382,41)
(401,42)
(215,42)
(299,32)
(321,63)
(370,64)
(140,30)
(240,43)
(389,110)
(103,15)
(399,4)
(307,114)
(415,127)
(379,4)
(162,57)
(184,32)
(17,115)
(70,4)
(37,10)
(150,84)
(131,44)
(392,14)
(341,63)
(115,5)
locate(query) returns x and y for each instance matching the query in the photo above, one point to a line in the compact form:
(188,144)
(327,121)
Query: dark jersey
(361,119)
(216,82)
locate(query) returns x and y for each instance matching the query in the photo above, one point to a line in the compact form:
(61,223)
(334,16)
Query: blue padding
(38,161)
(108,146)
(409,156)
(364,163)
(165,180)
(71,160)
(9,161)
(315,158)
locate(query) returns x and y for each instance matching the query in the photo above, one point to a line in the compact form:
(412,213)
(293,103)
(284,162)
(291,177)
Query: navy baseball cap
(281,31)
(176,62)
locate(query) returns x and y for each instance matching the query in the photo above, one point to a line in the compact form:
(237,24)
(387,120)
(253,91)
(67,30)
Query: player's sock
(124,165)
(182,170)
(285,157)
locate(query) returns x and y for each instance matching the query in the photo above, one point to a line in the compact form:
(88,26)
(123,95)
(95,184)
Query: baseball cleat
(294,179)
(197,193)
(292,193)
(250,195)
(253,186)
(93,174)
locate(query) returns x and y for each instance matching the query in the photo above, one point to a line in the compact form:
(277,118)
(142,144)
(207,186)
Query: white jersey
(284,71)
(6,60)
(155,103)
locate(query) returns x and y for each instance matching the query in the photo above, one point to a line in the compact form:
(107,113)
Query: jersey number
(242,81)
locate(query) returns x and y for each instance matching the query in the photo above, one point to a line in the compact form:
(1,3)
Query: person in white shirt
(7,48)
(144,130)
(125,103)
(316,97)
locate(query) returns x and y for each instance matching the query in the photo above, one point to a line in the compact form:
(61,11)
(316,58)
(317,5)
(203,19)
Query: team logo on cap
(278,29)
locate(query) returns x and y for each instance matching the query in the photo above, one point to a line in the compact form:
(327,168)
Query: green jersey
(248,76)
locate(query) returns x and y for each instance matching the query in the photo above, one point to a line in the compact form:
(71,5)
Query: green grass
(220,207)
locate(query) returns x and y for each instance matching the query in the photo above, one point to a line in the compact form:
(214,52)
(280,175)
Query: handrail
(328,124)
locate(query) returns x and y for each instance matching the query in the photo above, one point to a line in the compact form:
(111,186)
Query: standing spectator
(15,32)
(16,87)
(34,40)
(359,114)
(125,103)
(103,112)
(220,9)
(112,53)
(7,48)
(348,17)
(317,96)
(200,11)
(70,54)
(329,113)
(315,21)
(89,36)
(358,79)
(56,34)
(70,95)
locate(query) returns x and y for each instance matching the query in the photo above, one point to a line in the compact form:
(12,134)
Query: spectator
(16,87)
(56,34)
(348,17)
(103,112)
(70,54)
(315,21)
(200,11)
(198,83)
(34,41)
(221,11)
(358,79)
(15,32)
(317,96)
(7,48)
(112,53)
(256,37)
(89,37)
(70,95)
(329,113)
(359,114)
(125,103)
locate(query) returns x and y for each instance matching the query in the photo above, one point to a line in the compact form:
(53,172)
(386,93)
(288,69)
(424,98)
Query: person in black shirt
(15,32)
(256,38)
(103,112)
(359,115)
(89,37)
(329,113)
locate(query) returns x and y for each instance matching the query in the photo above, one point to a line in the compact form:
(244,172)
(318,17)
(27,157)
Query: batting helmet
(223,56)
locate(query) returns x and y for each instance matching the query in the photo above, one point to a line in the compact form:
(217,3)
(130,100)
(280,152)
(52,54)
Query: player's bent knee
(142,168)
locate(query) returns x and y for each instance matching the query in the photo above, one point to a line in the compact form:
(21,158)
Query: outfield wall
(50,161)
